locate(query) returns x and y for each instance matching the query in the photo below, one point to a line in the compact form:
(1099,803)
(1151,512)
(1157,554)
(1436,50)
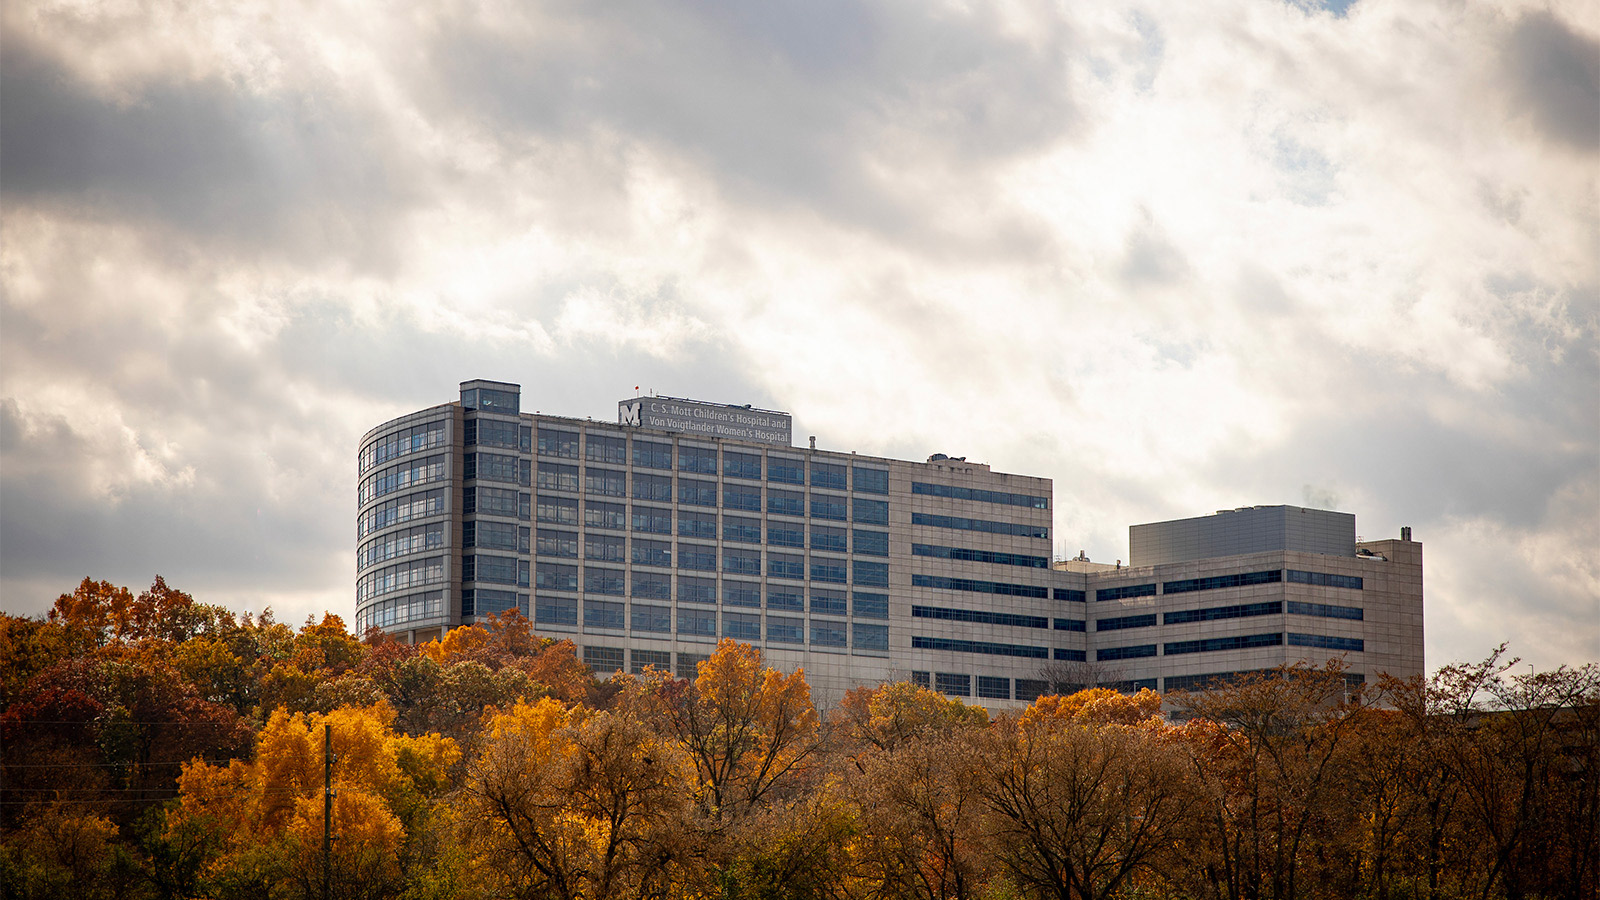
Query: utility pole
(327,807)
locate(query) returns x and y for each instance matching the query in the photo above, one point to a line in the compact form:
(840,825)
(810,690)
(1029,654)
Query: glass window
(744,497)
(824,506)
(638,660)
(652,520)
(870,543)
(741,626)
(1349,582)
(558,543)
(491,467)
(871,481)
(698,525)
(654,619)
(741,465)
(558,510)
(697,556)
(1238,579)
(953,684)
(695,492)
(606,448)
(597,514)
(827,603)
(786,598)
(980,616)
(870,637)
(1325,610)
(652,487)
(697,622)
(828,539)
(652,585)
(739,528)
(650,455)
(869,512)
(1016,529)
(992,688)
(603,614)
(741,562)
(558,477)
(697,590)
(1022,651)
(871,574)
(984,556)
(652,553)
(605,547)
(786,471)
(495,501)
(1125,592)
(603,660)
(558,443)
(552,577)
(1135,652)
(788,503)
(828,570)
(784,534)
(741,593)
(700,460)
(786,565)
(1121,622)
(496,570)
(605,482)
(556,610)
(870,606)
(982,496)
(1327,642)
(828,475)
(1244,610)
(1031,689)
(828,634)
(784,630)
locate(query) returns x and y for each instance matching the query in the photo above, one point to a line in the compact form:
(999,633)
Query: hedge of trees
(155,747)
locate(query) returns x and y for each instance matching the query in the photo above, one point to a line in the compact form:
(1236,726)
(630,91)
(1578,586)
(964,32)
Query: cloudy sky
(1176,256)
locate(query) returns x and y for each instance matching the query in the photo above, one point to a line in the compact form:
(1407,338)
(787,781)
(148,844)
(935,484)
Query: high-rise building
(647,540)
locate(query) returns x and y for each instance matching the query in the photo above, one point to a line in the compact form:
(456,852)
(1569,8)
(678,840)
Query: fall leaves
(156,747)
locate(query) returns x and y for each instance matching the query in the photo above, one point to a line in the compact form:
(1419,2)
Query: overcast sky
(1177,256)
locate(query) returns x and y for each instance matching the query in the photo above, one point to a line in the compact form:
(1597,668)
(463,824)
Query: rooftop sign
(740,423)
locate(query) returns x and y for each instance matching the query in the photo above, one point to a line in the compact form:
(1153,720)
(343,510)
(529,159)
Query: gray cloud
(1555,74)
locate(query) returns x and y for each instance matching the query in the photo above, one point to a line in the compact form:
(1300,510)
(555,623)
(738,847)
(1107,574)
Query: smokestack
(813,442)
(1405,532)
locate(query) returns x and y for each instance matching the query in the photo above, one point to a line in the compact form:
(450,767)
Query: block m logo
(628,414)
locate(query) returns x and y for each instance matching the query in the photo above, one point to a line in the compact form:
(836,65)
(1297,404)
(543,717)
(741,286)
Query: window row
(1013,529)
(489,601)
(495,433)
(1023,651)
(690,589)
(496,467)
(491,535)
(983,496)
(979,587)
(401,510)
(413,573)
(979,616)
(396,611)
(1325,579)
(416,539)
(491,569)
(507,403)
(982,556)
(405,442)
(399,477)
(640,618)
(1239,579)
(692,492)
(700,460)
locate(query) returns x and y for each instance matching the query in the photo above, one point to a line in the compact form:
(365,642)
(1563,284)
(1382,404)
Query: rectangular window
(639,660)
(493,569)
(551,577)
(922,679)
(1062,653)
(982,496)
(697,622)
(786,503)
(825,506)
(741,529)
(741,626)
(699,557)
(831,571)
(497,502)
(991,688)
(741,497)
(786,471)
(652,585)
(558,443)
(558,477)
(689,664)
(1235,642)
(869,512)
(605,482)
(741,593)
(556,610)
(871,481)
(1297,608)
(603,614)
(651,455)
(783,630)
(488,602)
(1071,595)
(869,606)
(871,638)
(605,548)
(979,587)
(697,525)
(1139,651)
(605,515)
(695,492)
(741,465)
(984,556)
(606,449)
(1069,625)
(952,683)
(979,616)
(558,543)
(785,565)
(783,534)
(1327,642)
(1021,651)
(653,619)
(828,603)
(652,520)
(697,590)
(1130,686)
(785,598)
(1031,689)
(652,553)
(1121,622)
(558,510)
(870,543)
(741,562)
(1125,592)
(1323,579)
(828,634)
(829,539)
(1208,681)
(828,475)
(1013,529)
(656,488)
(491,467)
(699,460)
(603,660)
(598,580)
(1242,611)
(1238,579)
